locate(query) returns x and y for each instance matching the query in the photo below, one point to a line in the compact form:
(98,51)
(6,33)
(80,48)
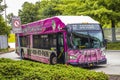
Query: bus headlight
(73,57)
(103,51)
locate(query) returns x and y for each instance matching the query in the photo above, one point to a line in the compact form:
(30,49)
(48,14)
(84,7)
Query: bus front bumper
(90,64)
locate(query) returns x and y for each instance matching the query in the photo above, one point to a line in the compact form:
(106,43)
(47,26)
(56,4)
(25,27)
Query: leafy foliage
(2,7)
(28,13)
(4,28)
(9,18)
(27,70)
(46,9)
(105,11)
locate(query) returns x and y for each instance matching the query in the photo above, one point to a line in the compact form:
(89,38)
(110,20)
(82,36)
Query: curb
(113,50)
(6,52)
(114,77)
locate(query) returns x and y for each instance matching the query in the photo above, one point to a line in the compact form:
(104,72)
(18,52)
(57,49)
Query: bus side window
(60,43)
(44,42)
(23,41)
(60,40)
(36,41)
(53,41)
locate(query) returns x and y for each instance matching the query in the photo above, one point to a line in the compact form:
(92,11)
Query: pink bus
(76,40)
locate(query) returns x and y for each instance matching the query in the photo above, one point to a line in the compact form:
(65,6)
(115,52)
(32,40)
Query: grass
(11,39)
(4,50)
(113,46)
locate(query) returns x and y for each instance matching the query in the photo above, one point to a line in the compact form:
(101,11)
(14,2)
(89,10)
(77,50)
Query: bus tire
(53,59)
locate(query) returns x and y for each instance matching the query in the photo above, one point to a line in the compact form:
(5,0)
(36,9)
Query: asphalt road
(112,66)
(113,63)
(11,55)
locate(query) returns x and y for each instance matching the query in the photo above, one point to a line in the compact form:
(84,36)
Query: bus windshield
(86,39)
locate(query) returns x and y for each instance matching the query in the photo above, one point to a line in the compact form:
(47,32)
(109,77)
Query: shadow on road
(95,67)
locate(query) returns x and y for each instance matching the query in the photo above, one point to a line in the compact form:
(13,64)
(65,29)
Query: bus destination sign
(85,26)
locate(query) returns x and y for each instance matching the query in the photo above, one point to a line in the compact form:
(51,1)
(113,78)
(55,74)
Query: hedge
(29,70)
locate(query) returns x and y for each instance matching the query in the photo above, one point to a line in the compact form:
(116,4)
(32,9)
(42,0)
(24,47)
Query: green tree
(4,29)
(47,9)
(114,16)
(9,18)
(28,13)
(105,11)
(40,10)
(69,7)
(2,7)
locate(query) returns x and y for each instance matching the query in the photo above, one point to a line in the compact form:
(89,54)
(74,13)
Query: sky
(13,6)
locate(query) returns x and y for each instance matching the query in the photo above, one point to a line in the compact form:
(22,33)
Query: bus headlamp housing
(103,51)
(73,57)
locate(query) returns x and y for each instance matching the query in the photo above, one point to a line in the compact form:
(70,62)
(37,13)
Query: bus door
(25,45)
(28,46)
(60,48)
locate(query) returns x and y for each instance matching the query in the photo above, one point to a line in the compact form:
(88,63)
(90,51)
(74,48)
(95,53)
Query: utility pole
(5,11)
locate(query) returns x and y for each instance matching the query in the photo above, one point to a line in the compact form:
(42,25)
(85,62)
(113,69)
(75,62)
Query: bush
(28,70)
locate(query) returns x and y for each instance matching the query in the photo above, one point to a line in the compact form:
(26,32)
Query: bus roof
(56,23)
(76,19)
(71,20)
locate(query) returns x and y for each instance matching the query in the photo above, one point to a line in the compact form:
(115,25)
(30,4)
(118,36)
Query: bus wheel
(53,59)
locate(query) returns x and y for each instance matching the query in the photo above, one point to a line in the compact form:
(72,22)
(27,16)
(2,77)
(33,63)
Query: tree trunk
(113,31)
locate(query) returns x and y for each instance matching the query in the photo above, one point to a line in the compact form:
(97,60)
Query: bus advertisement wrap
(75,40)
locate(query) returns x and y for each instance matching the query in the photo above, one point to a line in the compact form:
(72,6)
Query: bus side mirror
(105,42)
(69,29)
